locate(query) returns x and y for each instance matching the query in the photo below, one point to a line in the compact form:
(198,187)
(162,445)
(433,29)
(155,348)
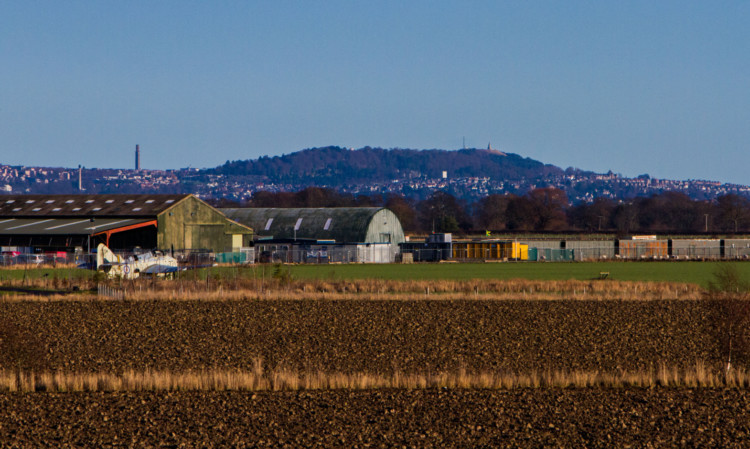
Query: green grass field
(693,272)
(40,273)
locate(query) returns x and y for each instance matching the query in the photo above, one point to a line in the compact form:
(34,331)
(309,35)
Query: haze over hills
(339,166)
(468,173)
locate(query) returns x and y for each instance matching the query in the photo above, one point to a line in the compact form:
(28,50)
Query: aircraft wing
(159,269)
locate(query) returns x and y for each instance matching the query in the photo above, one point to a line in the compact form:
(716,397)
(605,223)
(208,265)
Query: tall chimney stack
(137,158)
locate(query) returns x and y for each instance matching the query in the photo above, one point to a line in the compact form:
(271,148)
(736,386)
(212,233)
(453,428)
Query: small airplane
(151,264)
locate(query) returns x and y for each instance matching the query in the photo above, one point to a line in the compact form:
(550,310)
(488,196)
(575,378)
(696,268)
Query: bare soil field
(371,336)
(594,418)
(379,337)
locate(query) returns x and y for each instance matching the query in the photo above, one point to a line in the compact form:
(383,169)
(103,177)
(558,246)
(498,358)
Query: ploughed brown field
(380,337)
(602,418)
(372,336)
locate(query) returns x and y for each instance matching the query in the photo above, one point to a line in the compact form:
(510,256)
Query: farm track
(595,418)
(349,336)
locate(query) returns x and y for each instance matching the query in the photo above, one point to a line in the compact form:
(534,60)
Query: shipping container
(642,248)
(695,248)
(490,250)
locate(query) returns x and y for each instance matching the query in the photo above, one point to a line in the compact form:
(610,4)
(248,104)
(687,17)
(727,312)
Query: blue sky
(633,87)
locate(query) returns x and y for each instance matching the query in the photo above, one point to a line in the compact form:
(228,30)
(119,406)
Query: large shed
(338,224)
(320,235)
(165,222)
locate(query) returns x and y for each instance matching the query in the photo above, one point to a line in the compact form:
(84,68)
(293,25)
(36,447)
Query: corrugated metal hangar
(338,234)
(164,222)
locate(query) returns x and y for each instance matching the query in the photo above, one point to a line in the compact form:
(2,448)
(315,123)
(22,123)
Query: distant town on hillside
(468,174)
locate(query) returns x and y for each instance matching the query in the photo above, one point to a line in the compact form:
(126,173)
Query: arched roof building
(335,224)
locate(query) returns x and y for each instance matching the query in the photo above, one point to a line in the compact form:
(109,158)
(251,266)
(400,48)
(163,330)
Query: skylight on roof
(96,209)
(76,209)
(10,201)
(268,224)
(169,201)
(36,209)
(68,201)
(136,209)
(110,201)
(129,201)
(29,201)
(149,201)
(328,224)
(57,209)
(89,201)
(298,224)
(16,209)
(50,201)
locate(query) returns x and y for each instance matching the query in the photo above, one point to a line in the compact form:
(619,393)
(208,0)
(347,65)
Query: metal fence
(677,250)
(349,254)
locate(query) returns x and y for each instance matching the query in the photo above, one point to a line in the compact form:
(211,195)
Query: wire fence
(682,250)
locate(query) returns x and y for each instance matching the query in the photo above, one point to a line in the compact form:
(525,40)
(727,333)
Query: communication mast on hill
(137,158)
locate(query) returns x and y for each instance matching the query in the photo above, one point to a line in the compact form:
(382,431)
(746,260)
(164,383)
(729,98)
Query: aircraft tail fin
(105,255)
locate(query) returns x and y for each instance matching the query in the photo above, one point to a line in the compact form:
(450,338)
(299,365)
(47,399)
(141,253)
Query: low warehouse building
(340,234)
(122,222)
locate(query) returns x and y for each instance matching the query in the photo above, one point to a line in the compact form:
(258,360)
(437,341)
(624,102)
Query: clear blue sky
(658,87)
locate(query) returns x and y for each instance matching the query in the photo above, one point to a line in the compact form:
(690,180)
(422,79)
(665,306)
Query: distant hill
(472,174)
(341,166)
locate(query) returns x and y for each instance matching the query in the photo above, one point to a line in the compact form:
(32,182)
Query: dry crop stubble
(244,289)
(284,379)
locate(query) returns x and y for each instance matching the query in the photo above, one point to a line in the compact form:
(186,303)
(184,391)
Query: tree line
(539,210)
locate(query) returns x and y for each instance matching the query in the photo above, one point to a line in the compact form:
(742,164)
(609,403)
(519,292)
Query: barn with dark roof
(342,234)
(163,222)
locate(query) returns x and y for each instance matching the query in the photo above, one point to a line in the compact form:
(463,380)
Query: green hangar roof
(340,224)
